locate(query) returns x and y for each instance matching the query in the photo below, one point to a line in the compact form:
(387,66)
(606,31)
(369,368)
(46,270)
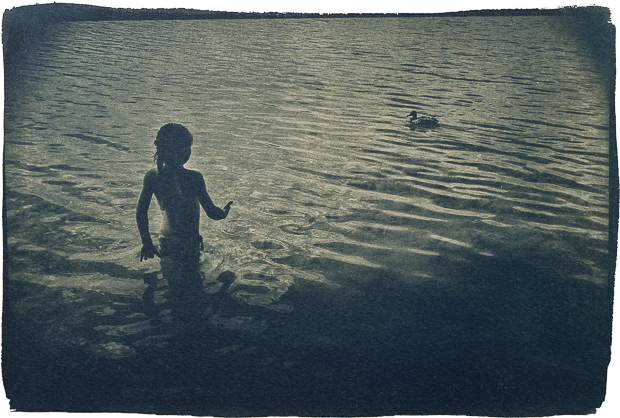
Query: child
(180,193)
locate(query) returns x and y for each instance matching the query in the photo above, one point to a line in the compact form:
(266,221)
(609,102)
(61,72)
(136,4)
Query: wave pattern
(302,123)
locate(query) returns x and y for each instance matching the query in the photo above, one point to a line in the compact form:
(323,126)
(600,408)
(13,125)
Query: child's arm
(207,204)
(142,218)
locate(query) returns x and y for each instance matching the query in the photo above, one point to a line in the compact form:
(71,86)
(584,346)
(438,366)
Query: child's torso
(177,195)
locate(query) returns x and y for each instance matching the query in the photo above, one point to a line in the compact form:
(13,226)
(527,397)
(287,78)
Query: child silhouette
(180,193)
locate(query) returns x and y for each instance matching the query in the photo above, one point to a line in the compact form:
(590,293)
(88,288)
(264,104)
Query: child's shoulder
(151,174)
(154,175)
(193,174)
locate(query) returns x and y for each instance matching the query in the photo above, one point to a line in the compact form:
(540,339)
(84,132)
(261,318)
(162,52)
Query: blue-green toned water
(303,124)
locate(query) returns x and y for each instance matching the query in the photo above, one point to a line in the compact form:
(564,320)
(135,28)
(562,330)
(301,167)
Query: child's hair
(170,137)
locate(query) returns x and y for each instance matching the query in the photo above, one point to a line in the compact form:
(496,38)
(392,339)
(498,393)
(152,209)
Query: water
(302,123)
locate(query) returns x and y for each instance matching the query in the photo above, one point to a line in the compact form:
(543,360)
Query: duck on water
(422,121)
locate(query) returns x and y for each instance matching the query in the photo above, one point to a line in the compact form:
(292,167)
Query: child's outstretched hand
(227,207)
(149,251)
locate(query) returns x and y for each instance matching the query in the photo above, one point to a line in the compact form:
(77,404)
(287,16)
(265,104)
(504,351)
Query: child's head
(173,144)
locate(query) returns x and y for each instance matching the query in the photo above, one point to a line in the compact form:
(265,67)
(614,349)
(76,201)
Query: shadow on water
(188,308)
(512,334)
(505,335)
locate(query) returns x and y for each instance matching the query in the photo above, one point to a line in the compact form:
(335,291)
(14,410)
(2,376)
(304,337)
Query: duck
(422,121)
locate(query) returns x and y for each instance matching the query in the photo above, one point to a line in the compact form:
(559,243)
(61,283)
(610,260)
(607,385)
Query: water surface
(489,228)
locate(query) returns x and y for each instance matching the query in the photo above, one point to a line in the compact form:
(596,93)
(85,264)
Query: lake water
(303,124)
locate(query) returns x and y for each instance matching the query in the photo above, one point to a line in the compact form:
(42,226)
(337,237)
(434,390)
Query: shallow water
(302,123)
(308,135)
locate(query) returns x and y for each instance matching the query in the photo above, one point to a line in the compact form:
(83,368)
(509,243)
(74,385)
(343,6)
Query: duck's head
(413,114)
